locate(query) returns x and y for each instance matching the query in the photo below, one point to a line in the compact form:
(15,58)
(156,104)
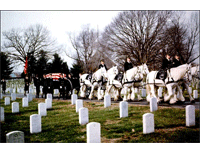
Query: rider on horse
(128,65)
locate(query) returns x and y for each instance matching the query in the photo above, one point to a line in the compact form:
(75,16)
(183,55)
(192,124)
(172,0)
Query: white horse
(195,76)
(84,84)
(171,83)
(132,79)
(96,82)
(113,86)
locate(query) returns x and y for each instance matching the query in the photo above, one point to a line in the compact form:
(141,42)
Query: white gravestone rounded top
(42,109)
(15,107)
(123,109)
(73,99)
(107,101)
(153,104)
(79,104)
(13,96)
(190,115)
(7,100)
(83,116)
(25,102)
(15,137)
(35,123)
(48,102)
(148,123)
(93,132)
(49,96)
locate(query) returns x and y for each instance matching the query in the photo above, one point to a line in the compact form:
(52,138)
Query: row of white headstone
(195,92)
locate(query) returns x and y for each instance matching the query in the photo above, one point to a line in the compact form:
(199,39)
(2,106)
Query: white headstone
(30,97)
(148,123)
(11,90)
(153,104)
(35,123)
(160,90)
(190,115)
(15,137)
(83,116)
(49,96)
(15,107)
(107,101)
(13,96)
(73,99)
(2,114)
(143,92)
(195,94)
(7,100)
(93,132)
(190,90)
(25,102)
(48,102)
(1,96)
(31,91)
(42,109)
(79,104)
(123,109)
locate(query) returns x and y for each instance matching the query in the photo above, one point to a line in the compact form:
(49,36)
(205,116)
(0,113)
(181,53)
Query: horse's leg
(129,93)
(82,91)
(125,93)
(132,93)
(153,91)
(148,89)
(91,92)
(170,94)
(139,94)
(180,94)
(99,93)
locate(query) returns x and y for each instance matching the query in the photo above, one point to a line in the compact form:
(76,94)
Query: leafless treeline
(145,36)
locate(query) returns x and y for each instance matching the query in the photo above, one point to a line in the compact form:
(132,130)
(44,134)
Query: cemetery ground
(62,123)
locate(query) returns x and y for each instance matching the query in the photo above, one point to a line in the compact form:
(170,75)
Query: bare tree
(85,45)
(136,34)
(19,42)
(182,37)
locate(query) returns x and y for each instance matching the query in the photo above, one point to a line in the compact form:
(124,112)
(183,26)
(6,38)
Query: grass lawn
(62,123)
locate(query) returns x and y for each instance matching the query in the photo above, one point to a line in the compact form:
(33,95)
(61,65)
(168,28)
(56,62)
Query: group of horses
(133,80)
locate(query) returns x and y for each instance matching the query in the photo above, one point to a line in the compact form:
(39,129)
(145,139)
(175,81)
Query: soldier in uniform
(3,83)
(44,84)
(50,85)
(102,65)
(68,84)
(37,83)
(26,88)
(62,86)
(166,65)
(128,65)
(176,61)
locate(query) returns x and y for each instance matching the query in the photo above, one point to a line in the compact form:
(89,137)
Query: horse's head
(145,69)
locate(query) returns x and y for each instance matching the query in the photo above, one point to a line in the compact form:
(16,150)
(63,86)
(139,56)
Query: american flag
(55,76)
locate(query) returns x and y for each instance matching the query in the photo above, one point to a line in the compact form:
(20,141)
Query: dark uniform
(68,85)
(44,89)
(62,88)
(127,66)
(37,83)
(176,63)
(166,64)
(101,65)
(50,86)
(3,83)
(26,88)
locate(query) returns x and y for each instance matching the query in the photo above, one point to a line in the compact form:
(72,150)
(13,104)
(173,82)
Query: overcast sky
(57,22)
